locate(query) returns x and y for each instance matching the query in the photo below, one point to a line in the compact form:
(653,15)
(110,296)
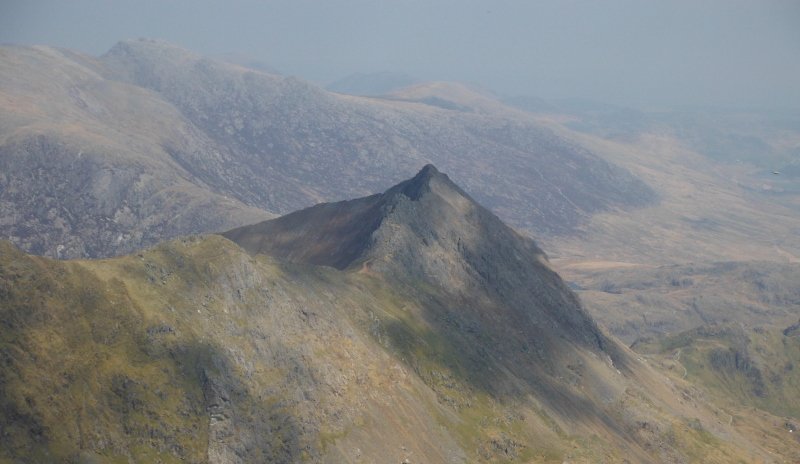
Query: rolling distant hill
(371,84)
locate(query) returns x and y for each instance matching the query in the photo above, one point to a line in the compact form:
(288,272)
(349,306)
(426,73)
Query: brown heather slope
(448,339)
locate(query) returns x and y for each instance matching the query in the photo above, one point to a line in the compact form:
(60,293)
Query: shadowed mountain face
(428,229)
(442,337)
(102,156)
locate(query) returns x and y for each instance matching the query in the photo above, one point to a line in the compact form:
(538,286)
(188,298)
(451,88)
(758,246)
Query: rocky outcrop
(793,330)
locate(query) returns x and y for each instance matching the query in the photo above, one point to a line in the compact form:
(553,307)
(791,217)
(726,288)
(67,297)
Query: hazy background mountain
(371,84)
(246,61)
(165,142)
(153,141)
(92,167)
(761,137)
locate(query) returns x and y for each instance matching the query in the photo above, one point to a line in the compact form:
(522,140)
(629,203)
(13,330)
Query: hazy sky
(665,52)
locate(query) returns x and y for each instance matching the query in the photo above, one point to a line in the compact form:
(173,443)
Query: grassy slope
(747,377)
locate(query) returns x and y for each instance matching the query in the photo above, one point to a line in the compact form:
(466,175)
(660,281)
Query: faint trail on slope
(792,258)
(678,360)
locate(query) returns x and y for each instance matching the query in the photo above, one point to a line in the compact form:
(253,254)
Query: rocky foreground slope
(103,156)
(434,334)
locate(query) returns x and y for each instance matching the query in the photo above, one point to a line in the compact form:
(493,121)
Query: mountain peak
(337,234)
(413,188)
(343,233)
(428,170)
(428,229)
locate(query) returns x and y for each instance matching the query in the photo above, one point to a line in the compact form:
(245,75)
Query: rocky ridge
(198,351)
